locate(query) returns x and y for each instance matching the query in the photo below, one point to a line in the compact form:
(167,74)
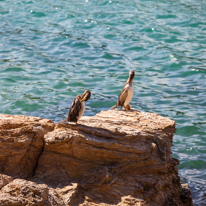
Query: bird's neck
(129,81)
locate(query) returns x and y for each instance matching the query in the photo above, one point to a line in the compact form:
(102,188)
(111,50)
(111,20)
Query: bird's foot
(127,107)
(76,123)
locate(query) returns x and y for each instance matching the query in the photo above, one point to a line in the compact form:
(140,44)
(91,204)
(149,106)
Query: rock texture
(114,158)
(21,143)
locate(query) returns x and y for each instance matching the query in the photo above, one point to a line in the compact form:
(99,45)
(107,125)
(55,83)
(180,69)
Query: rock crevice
(22,141)
(113,158)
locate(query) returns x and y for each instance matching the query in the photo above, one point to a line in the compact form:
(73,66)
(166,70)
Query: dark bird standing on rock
(77,107)
(126,94)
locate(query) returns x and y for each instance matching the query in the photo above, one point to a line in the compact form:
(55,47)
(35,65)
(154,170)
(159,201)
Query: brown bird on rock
(126,94)
(77,107)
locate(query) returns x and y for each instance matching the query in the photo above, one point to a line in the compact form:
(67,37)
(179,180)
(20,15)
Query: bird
(77,108)
(126,94)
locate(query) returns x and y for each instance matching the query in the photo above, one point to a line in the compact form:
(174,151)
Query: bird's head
(131,75)
(86,95)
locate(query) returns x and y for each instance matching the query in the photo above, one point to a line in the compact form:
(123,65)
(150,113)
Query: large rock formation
(114,158)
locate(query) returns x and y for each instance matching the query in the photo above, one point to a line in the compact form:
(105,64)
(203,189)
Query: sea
(53,50)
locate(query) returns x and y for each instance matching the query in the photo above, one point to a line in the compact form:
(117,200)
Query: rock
(21,143)
(114,158)
(4,180)
(186,196)
(22,192)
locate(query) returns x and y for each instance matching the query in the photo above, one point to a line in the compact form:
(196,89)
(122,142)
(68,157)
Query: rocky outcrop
(114,158)
(21,143)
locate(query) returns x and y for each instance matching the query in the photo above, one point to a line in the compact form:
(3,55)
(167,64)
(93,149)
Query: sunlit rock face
(21,143)
(113,158)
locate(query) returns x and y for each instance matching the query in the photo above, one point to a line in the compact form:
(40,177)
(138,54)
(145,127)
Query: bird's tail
(115,106)
(62,122)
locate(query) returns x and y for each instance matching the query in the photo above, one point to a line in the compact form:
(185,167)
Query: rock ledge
(113,158)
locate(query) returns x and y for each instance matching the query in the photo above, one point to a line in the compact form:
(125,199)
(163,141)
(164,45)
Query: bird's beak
(83,99)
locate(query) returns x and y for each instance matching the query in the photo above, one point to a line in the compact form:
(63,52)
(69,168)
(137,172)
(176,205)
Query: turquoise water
(50,51)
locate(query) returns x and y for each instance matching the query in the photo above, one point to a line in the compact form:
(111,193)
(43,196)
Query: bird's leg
(127,107)
(76,123)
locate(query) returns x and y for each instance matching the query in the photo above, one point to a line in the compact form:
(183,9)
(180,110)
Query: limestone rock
(21,143)
(4,180)
(114,158)
(186,196)
(22,192)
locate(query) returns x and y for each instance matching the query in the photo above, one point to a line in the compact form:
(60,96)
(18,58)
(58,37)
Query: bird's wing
(123,96)
(74,109)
